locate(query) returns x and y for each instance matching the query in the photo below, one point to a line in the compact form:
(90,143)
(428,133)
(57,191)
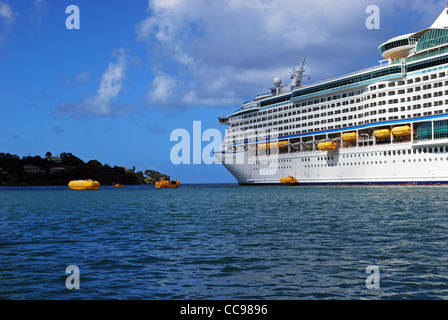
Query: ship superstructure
(384,124)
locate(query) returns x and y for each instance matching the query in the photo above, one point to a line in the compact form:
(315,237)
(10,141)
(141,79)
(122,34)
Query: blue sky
(116,88)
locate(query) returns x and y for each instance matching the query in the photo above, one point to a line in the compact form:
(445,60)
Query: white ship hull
(368,165)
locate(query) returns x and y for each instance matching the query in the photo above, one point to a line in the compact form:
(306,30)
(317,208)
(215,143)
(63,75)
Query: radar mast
(297,75)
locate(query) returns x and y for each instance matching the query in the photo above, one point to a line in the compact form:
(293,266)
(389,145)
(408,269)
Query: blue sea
(207,242)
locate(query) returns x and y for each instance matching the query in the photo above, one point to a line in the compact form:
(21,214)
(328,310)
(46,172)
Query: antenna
(297,75)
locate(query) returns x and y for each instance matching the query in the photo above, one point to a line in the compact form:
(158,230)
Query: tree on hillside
(154,176)
(94,163)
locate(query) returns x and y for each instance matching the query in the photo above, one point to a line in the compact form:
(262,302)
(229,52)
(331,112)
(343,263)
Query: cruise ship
(387,124)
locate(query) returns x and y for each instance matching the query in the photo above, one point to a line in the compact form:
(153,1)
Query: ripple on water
(224,242)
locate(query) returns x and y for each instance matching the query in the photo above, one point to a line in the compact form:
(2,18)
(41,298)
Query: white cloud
(110,86)
(216,53)
(6,12)
(103,103)
(83,77)
(162,89)
(39,8)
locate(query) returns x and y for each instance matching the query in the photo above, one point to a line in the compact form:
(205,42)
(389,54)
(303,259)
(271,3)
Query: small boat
(288,180)
(327,145)
(167,184)
(84,185)
(117,185)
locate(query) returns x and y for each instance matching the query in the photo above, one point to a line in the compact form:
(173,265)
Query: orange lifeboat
(288,180)
(117,185)
(402,131)
(84,185)
(167,184)
(382,133)
(327,145)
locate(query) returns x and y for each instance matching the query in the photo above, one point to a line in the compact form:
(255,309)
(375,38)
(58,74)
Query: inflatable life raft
(84,185)
(167,184)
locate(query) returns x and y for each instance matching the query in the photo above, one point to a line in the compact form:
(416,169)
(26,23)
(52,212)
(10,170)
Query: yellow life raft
(84,185)
(382,133)
(402,131)
(349,136)
(327,145)
(167,184)
(288,180)
(271,145)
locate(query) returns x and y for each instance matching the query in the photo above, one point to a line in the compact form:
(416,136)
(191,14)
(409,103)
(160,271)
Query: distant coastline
(59,170)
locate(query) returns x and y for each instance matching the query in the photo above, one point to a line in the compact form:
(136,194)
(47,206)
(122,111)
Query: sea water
(224,242)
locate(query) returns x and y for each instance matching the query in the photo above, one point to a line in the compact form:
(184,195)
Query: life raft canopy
(167,184)
(288,180)
(84,185)
(327,145)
